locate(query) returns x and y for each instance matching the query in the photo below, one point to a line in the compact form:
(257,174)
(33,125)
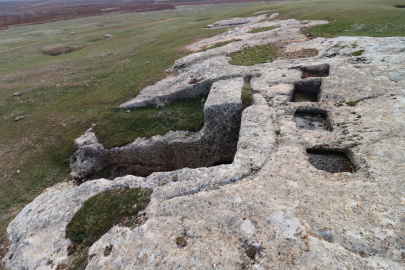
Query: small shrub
(181,241)
(108,250)
(278,132)
(351,103)
(358,53)
(251,253)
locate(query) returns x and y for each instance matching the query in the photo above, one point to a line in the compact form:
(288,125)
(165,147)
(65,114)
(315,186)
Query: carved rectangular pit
(332,161)
(307,91)
(215,144)
(321,70)
(312,119)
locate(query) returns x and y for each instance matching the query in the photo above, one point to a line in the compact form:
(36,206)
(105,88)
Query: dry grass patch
(304,53)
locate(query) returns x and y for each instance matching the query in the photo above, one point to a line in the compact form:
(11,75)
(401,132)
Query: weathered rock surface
(237,21)
(38,232)
(270,208)
(212,65)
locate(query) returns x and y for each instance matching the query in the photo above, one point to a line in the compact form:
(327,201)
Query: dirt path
(117,28)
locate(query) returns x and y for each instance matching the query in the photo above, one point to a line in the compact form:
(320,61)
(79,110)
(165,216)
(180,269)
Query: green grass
(358,53)
(247,94)
(121,127)
(254,55)
(351,103)
(99,214)
(263,29)
(220,44)
(378,18)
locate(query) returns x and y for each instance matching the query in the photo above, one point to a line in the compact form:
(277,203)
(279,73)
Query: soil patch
(304,53)
(61,50)
(4,247)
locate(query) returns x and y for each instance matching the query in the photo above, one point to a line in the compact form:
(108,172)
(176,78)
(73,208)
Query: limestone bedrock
(270,208)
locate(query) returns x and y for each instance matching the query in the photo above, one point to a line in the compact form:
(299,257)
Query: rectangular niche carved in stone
(321,70)
(312,119)
(307,91)
(332,161)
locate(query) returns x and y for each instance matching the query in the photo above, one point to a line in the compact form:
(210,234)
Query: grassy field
(62,96)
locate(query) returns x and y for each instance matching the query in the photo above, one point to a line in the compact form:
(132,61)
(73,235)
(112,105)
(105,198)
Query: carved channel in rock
(321,70)
(307,90)
(214,144)
(312,119)
(333,161)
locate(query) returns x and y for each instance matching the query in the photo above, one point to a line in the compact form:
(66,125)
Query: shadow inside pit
(312,120)
(119,170)
(315,71)
(332,161)
(307,91)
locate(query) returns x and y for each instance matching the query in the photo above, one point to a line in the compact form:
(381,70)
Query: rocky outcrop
(38,232)
(41,226)
(237,21)
(271,208)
